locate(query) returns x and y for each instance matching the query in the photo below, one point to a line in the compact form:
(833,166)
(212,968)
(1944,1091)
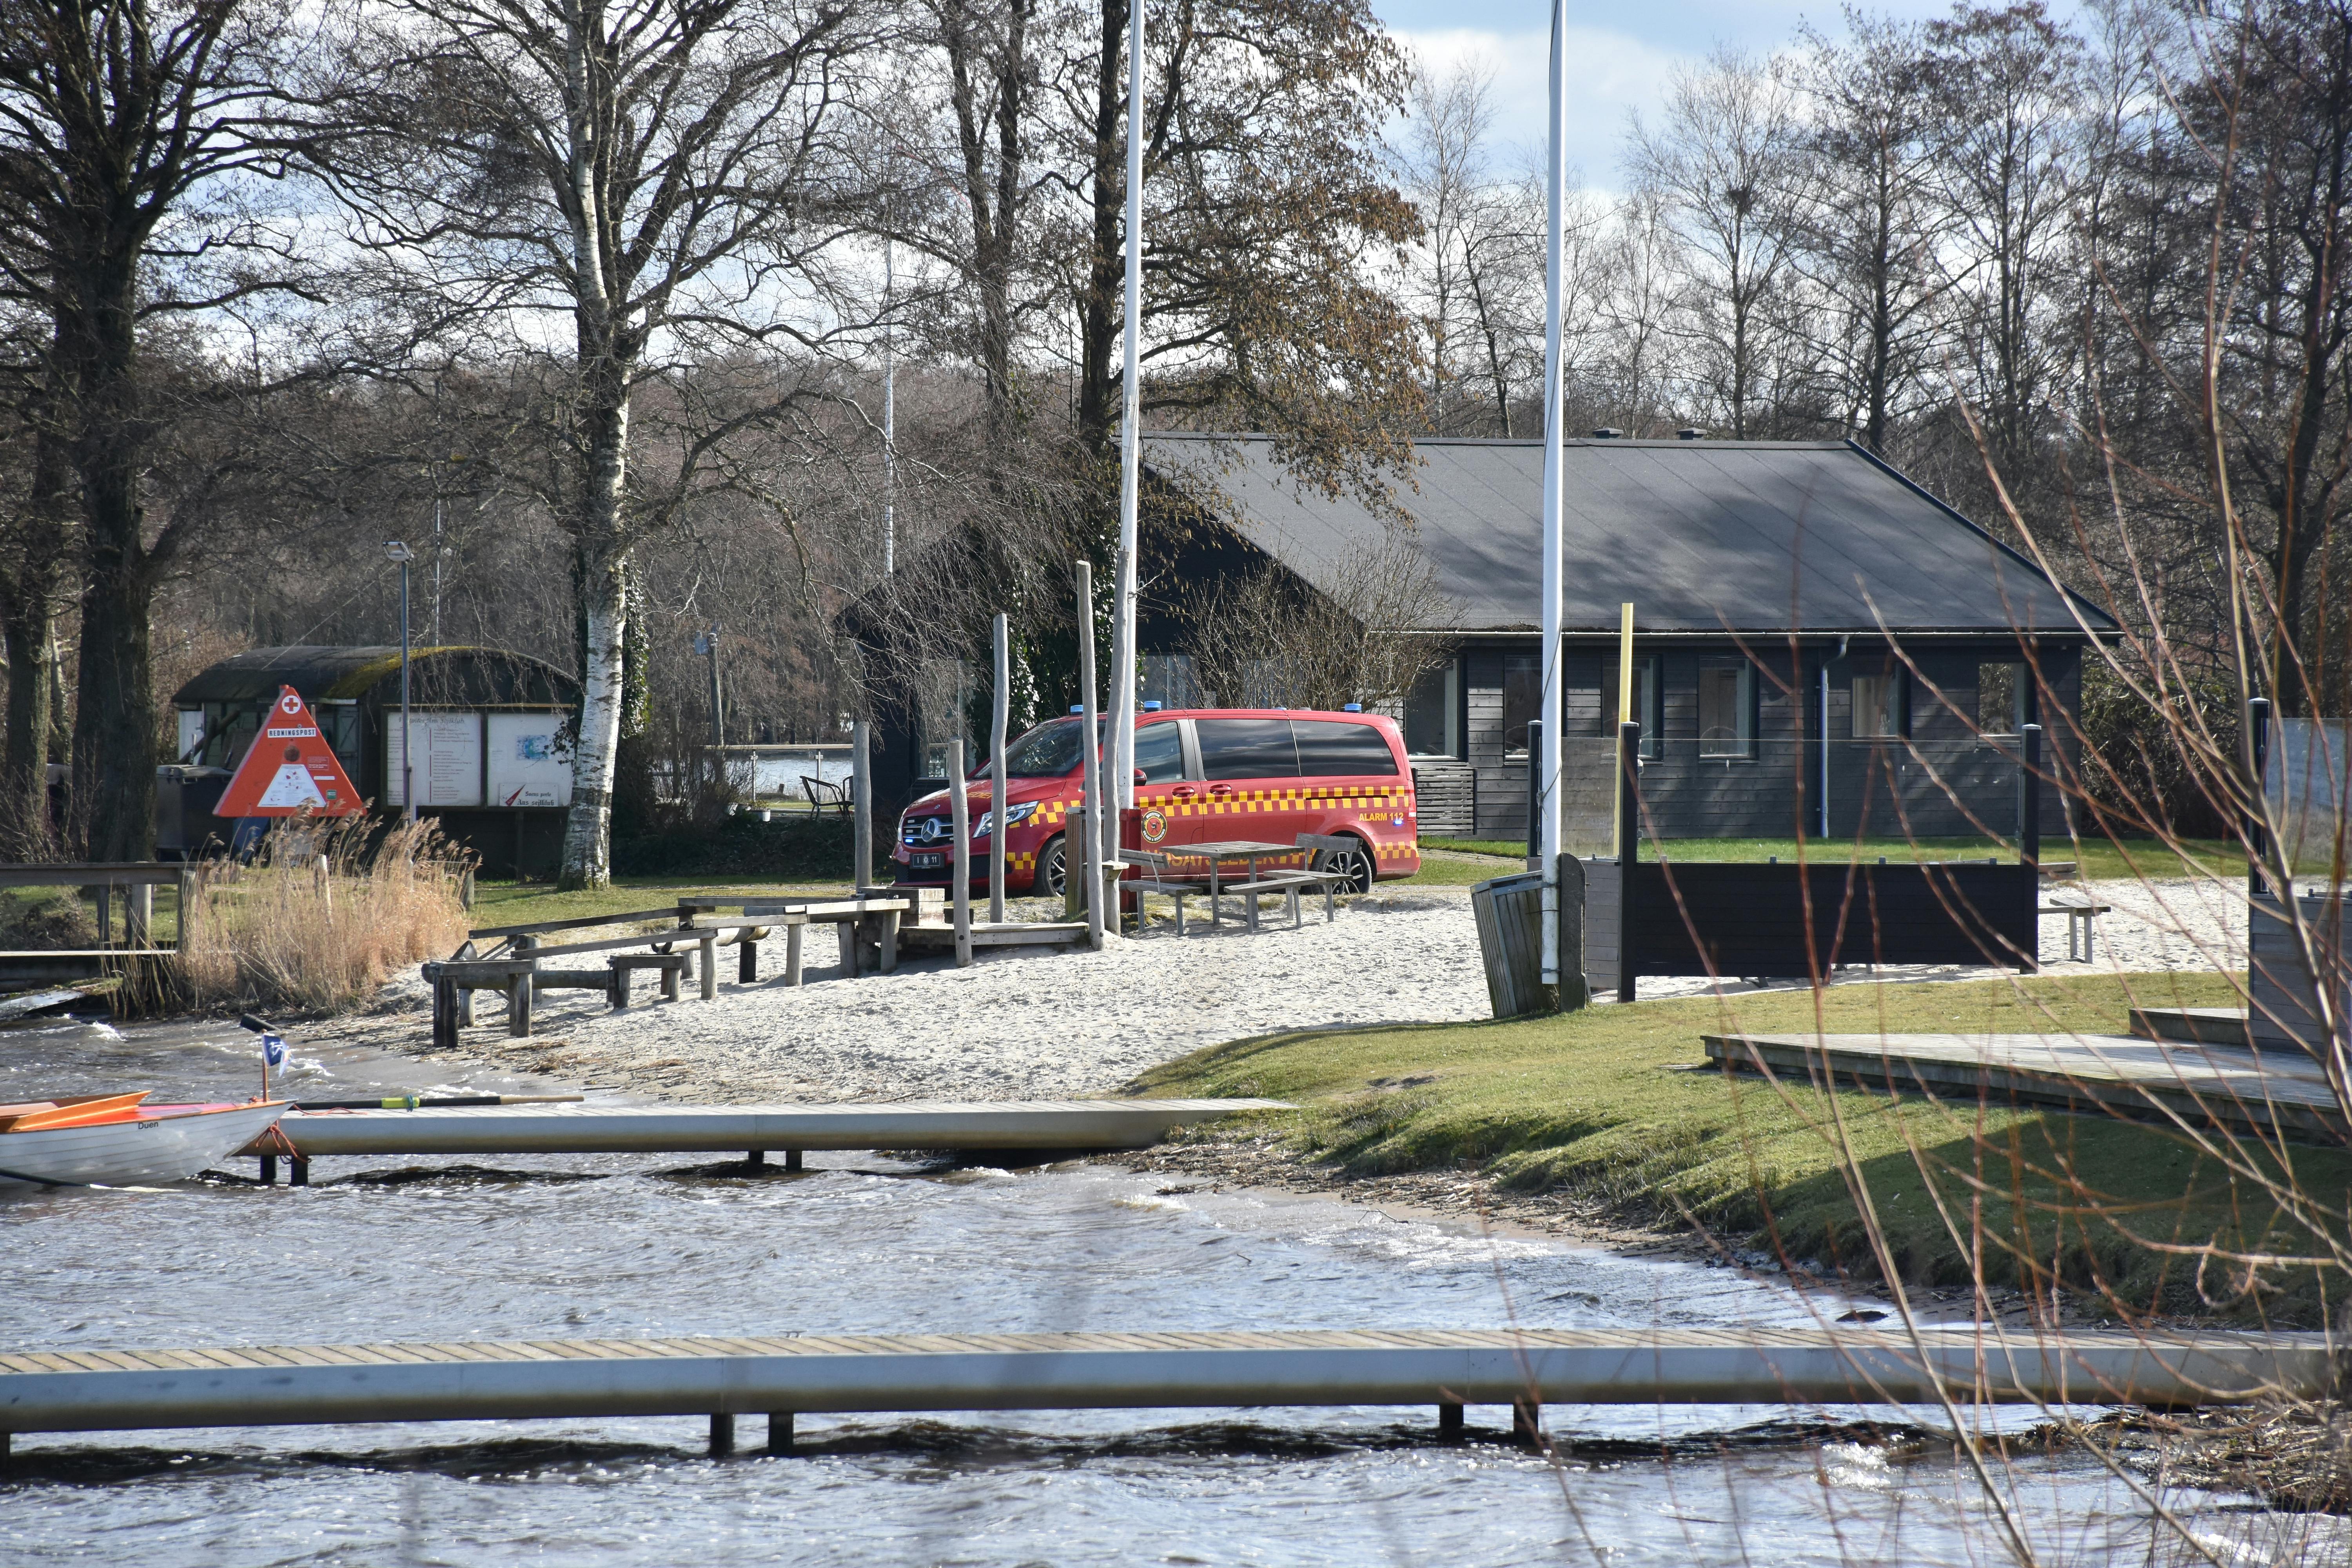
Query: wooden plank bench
(670,966)
(453,978)
(874,919)
(2079,930)
(1158,881)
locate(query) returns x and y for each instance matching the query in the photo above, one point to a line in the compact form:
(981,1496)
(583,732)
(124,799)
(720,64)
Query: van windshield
(1048,751)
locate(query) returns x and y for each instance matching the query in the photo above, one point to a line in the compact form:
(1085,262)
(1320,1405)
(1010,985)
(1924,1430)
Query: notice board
(528,766)
(448,748)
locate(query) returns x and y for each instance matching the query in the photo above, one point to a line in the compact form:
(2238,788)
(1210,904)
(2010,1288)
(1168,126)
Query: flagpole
(1545,758)
(1120,694)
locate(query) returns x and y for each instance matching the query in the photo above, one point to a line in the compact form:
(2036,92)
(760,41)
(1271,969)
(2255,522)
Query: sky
(1620,56)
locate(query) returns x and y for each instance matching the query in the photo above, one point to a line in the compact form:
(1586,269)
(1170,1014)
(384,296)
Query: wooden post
(722,1430)
(791,1159)
(1090,793)
(2258,737)
(445,1010)
(2029,801)
(780,1431)
(1001,716)
(1535,797)
(518,989)
(1527,1421)
(187,914)
(1629,850)
(891,918)
(105,900)
(845,936)
(669,982)
(301,1176)
(141,901)
(861,811)
(2029,836)
(793,952)
(1449,1421)
(960,863)
(747,957)
(706,965)
(270,1170)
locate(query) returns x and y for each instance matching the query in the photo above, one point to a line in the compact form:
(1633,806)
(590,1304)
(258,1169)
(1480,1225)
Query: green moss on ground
(1590,1103)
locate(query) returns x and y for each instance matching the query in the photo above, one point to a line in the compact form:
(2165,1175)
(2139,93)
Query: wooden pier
(717,1129)
(2117,1074)
(86,1391)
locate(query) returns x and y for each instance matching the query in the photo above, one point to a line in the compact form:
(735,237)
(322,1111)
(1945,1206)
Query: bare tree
(1724,167)
(1365,631)
(1446,178)
(671,182)
(1865,228)
(134,136)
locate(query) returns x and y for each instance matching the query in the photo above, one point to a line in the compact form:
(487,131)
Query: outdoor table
(1218,852)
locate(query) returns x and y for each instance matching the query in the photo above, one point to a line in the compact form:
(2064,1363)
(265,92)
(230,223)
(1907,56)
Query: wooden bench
(670,966)
(1158,881)
(2079,930)
(854,920)
(455,978)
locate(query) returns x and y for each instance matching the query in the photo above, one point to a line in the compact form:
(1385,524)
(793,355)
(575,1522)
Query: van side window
(1246,748)
(1334,746)
(1159,752)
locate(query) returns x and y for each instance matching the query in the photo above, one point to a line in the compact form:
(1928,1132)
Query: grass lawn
(2099,858)
(1590,1103)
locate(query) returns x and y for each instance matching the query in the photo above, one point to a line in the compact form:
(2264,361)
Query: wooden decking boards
(307,1384)
(2205,1086)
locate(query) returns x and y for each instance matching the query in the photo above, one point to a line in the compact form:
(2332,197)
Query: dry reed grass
(321,916)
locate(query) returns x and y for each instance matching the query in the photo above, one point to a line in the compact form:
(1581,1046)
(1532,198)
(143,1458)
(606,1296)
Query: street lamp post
(401,555)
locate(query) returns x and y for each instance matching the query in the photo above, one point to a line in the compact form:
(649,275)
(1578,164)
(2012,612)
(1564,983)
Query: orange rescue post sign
(288,769)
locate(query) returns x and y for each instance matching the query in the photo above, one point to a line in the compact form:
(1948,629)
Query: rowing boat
(120,1139)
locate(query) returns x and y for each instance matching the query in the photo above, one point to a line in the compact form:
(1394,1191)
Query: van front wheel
(1050,879)
(1355,863)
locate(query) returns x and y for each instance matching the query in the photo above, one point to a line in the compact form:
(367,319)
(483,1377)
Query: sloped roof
(1701,536)
(329,672)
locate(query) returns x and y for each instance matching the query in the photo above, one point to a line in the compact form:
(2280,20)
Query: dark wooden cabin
(1817,638)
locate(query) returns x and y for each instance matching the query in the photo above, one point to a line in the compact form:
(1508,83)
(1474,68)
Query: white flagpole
(1546,757)
(1121,695)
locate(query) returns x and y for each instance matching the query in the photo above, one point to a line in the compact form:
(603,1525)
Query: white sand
(1025,1023)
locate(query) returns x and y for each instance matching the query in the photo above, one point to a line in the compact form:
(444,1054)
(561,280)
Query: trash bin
(1509,911)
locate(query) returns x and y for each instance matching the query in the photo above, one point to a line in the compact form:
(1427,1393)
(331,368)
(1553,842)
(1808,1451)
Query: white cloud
(1609,75)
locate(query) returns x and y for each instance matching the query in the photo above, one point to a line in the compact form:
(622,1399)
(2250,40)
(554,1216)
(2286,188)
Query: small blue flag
(273,1049)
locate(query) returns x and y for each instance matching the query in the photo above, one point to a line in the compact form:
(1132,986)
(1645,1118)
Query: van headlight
(1014,815)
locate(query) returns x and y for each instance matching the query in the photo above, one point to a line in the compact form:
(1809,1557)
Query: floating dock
(2117,1074)
(719,1128)
(86,1391)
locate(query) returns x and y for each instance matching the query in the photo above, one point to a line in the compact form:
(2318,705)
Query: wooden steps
(2196,1025)
(995,934)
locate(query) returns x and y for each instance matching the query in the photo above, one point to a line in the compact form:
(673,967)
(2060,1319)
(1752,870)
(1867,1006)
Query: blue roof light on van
(1352,708)
(1153,707)
(1078,707)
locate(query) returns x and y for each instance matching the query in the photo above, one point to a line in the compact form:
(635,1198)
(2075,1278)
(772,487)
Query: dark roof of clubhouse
(1701,536)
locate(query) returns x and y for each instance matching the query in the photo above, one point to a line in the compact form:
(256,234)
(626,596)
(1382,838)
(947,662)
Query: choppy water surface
(596,1246)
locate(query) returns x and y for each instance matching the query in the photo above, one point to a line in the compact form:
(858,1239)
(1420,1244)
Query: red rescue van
(1201,775)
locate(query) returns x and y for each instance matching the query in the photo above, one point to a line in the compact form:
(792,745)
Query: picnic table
(1250,851)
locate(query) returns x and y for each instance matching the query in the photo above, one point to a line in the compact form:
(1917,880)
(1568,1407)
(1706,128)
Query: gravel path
(1045,1022)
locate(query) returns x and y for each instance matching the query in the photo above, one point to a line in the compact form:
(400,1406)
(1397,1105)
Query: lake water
(385,1249)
